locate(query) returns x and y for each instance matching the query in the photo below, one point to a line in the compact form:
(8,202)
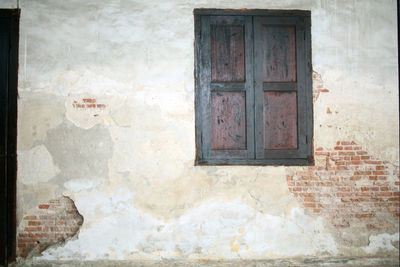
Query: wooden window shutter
(253,87)
(282,88)
(226,95)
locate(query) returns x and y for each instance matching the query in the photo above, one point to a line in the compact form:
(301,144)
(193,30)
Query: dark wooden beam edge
(252,12)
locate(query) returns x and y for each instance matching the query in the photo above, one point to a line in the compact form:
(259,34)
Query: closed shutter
(225,92)
(282,79)
(253,87)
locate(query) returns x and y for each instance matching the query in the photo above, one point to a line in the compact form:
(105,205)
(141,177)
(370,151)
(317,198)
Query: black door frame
(8,158)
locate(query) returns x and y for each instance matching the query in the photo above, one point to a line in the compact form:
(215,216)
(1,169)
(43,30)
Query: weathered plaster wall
(106,117)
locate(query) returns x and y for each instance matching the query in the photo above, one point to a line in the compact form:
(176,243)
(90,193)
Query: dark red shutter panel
(279,53)
(228,120)
(280,120)
(227,53)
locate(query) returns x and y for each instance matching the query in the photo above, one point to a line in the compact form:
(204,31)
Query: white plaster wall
(146,199)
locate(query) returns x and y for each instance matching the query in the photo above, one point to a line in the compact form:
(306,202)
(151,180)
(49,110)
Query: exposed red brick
(309,205)
(320,153)
(360,187)
(384,194)
(36,231)
(368,215)
(30,217)
(33,223)
(31,229)
(362,172)
(342,153)
(373,162)
(307,194)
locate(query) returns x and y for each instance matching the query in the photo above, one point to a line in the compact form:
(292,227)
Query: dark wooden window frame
(254,154)
(8,160)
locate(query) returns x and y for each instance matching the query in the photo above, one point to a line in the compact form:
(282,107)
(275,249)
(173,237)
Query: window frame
(285,157)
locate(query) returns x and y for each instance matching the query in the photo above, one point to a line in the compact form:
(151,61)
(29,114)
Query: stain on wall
(79,154)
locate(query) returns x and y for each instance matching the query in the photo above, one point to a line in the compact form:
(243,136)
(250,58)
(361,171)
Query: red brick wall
(48,224)
(349,187)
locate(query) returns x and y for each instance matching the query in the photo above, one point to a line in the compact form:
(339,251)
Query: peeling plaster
(36,166)
(50,224)
(382,242)
(79,153)
(204,232)
(374,104)
(36,115)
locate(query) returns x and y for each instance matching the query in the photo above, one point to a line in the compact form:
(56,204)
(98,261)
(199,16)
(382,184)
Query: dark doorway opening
(9,33)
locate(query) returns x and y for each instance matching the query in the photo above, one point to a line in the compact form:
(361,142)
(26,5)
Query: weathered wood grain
(280,120)
(227,53)
(228,112)
(279,53)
